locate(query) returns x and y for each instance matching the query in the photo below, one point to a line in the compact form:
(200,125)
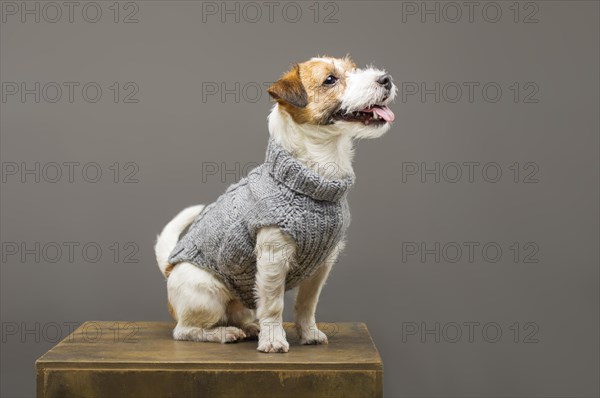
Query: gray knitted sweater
(281,192)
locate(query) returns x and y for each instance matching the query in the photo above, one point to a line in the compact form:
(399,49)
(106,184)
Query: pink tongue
(384,112)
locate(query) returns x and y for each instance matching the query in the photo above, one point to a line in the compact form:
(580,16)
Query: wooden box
(141,359)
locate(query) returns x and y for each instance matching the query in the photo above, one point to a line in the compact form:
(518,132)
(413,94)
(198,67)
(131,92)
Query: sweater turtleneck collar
(292,173)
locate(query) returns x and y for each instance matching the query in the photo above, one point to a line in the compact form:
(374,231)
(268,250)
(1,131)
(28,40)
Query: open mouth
(377,114)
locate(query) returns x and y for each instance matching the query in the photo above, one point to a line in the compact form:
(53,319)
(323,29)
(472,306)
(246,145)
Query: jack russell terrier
(283,225)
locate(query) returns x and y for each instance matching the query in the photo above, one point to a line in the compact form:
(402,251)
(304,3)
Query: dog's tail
(168,238)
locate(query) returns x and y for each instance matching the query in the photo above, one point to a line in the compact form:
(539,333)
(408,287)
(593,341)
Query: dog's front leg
(274,251)
(307,299)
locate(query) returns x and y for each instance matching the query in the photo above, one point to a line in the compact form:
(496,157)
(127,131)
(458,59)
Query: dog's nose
(385,81)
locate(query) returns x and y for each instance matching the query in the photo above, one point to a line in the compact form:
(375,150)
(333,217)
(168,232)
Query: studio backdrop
(473,250)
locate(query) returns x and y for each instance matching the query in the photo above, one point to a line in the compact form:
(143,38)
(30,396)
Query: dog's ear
(290,89)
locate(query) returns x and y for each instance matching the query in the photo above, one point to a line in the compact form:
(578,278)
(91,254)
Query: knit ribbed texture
(281,192)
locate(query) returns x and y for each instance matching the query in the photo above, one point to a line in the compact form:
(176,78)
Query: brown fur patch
(171,310)
(289,89)
(302,94)
(168,270)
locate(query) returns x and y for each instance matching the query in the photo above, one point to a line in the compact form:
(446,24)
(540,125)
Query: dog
(283,225)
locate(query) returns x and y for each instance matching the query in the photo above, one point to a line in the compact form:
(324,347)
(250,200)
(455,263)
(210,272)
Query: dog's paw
(311,335)
(221,334)
(273,339)
(273,345)
(232,334)
(252,330)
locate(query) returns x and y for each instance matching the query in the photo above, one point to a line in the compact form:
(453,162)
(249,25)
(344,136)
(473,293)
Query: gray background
(171,132)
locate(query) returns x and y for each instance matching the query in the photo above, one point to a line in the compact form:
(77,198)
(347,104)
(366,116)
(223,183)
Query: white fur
(324,149)
(363,91)
(204,308)
(274,252)
(337,62)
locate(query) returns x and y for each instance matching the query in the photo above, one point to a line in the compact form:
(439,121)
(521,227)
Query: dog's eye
(330,80)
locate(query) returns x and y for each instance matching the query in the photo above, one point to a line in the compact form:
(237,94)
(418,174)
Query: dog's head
(335,96)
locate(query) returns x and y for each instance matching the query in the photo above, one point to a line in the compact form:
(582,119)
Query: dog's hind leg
(219,334)
(242,317)
(199,303)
